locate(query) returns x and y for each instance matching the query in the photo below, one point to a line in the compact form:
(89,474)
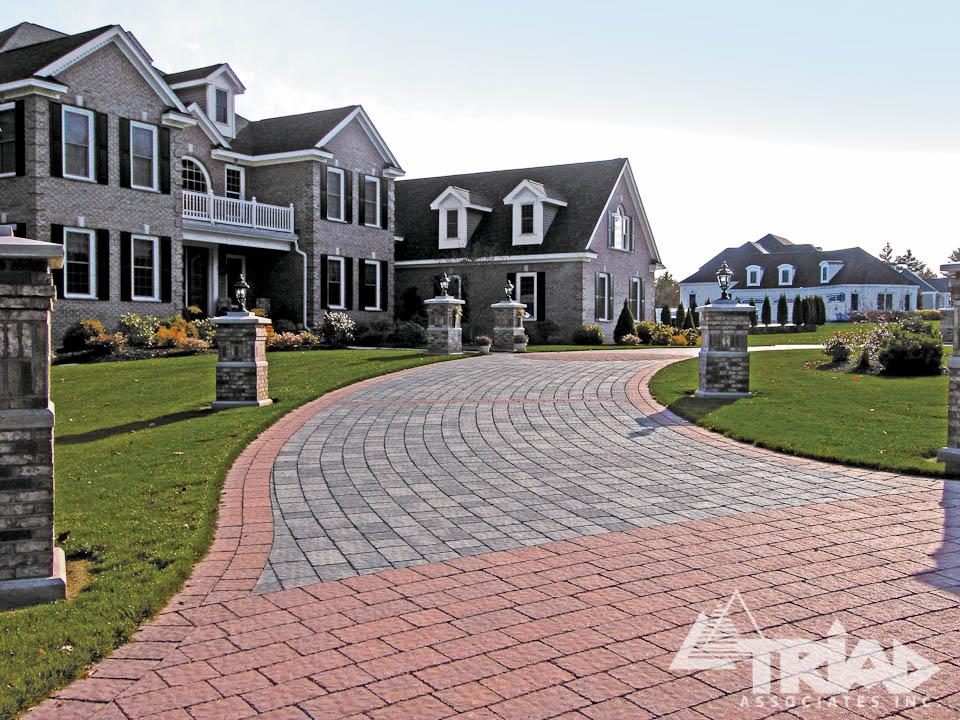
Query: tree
(625,324)
(914,264)
(887,253)
(693,315)
(783,312)
(810,310)
(688,321)
(799,316)
(681,315)
(821,311)
(753,315)
(765,311)
(665,317)
(954,256)
(667,290)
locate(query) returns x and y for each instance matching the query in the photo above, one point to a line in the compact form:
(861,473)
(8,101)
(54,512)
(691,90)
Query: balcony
(217,210)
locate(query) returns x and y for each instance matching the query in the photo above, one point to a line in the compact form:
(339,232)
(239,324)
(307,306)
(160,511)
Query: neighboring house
(848,280)
(928,297)
(941,298)
(162,194)
(573,239)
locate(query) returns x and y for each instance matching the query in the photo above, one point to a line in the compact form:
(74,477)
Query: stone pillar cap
(444,299)
(23,249)
(950,268)
(241,318)
(726,306)
(511,304)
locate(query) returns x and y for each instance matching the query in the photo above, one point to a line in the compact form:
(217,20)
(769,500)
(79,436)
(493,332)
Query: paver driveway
(562,534)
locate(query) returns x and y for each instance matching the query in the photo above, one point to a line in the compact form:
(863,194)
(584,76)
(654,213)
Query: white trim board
(514,259)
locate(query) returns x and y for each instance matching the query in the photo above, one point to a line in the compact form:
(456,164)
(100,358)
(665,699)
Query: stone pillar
(950,455)
(444,334)
(32,570)
(507,324)
(242,360)
(946,325)
(724,362)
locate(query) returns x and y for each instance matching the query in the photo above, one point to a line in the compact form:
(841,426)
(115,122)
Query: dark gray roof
(26,33)
(940,284)
(915,279)
(859,266)
(287,133)
(22,63)
(192,74)
(584,186)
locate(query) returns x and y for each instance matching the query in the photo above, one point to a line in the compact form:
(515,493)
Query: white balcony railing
(206,207)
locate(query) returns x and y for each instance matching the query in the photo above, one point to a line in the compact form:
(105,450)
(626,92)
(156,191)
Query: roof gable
(26,33)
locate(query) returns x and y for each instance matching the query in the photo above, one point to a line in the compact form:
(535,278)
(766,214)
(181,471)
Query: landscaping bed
(140,463)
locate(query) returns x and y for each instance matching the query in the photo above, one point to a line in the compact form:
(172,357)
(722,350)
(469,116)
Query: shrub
(903,353)
(337,328)
(373,334)
(206,330)
(259,312)
(661,335)
(410,305)
(588,335)
(630,339)
(193,312)
(916,324)
(821,312)
(665,317)
(929,314)
(521,339)
(692,336)
(80,333)
(681,316)
(114,344)
(799,313)
(689,322)
(625,323)
(283,325)
(679,341)
(782,311)
(644,331)
(765,311)
(540,332)
(139,329)
(408,334)
(192,345)
(839,347)
(483,340)
(168,336)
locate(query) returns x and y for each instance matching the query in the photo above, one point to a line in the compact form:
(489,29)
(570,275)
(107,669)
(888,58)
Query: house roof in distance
(858,266)
(23,62)
(585,187)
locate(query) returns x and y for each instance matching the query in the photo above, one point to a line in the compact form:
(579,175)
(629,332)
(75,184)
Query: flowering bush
(521,339)
(916,324)
(643,331)
(840,347)
(206,330)
(679,341)
(113,344)
(139,329)
(862,346)
(483,340)
(661,334)
(79,334)
(285,341)
(168,337)
(630,339)
(191,344)
(337,328)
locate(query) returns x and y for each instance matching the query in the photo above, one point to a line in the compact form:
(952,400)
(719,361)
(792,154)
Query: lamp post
(724,362)
(240,289)
(724,276)
(444,285)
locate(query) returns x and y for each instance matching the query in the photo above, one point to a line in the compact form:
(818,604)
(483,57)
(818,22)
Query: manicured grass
(140,461)
(888,423)
(817,337)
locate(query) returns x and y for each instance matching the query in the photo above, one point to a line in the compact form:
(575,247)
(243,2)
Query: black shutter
(165,160)
(124,153)
(20,229)
(609,297)
(126,266)
(541,296)
(323,282)
(166,269)
(609,229)
(348,196)
(366,296)
(598,301)
(384,203)
(20,135)
(348,283)
(384,285)
(103,264)
(362,189)
(323,191)
(56,236)
(56,140)
(102,155)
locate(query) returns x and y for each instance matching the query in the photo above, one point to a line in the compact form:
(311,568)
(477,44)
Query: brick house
(163,194)
(573,239)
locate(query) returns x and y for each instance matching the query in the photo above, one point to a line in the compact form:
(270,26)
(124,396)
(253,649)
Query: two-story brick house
(573,240)
(162,194)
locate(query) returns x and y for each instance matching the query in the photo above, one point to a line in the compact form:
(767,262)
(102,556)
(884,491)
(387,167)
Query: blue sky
(833,123)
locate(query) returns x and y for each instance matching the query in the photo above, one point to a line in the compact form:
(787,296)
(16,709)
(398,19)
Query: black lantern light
(724,276)
(508,290)
(444,284)
(240,289)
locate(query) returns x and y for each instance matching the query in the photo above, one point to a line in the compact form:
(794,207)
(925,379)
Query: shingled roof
(192,74)
(288,133)
(859,266)
(22,63)
(584,186)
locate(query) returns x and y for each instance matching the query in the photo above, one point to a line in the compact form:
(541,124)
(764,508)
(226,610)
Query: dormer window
(785,274)
(459,212)
(754,274)
(453,224)
(533,208)
(829,269)
(526,219)
(824,273)
(222,107)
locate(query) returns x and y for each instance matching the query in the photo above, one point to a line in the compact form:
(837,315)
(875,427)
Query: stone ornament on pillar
(950,455)
(32,569)
(242,371)
(508,315)
(444,334)
(946,325)
(724,360)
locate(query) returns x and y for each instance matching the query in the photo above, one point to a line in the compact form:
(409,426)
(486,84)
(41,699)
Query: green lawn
(139,465)
(887,423)
(817,337)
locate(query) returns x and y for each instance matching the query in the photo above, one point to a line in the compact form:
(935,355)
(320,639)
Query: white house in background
(848,280)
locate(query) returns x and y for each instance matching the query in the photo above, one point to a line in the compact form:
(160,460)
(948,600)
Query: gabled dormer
(785,274)
(460,211)
(829,268)
(534,208)
(214,89)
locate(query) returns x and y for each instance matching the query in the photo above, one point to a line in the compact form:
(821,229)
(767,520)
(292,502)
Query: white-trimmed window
(620,229)
(335,195)
(8,140)
(371,284)
(145,268)
(884,301)
(80,264)
(234,181)
(635,300)
(604,297)
(453,223)
(371,201)
(526,219)
(221,106)
(754,274)
(336,283)
(143,156)
(78,145)
(824,273)
(785,274)
(526,293)
(194,176)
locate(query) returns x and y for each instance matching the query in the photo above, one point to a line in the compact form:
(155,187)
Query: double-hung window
(336,285)
(8,140)
(78,145)
(143,156)
(371,285)
(527,293)
(80,264)
(604,297)
(145,268)
(636,298)
(526,219)
(885,301)
(371,201)
(335,210)
(222,102)
(234,181)
(453,224)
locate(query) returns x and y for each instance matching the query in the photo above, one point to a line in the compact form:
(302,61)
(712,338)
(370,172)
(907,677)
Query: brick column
(32,570)
(950,455)
(507,324)
(724,362)
(242,361)
(444,334)
(946,326)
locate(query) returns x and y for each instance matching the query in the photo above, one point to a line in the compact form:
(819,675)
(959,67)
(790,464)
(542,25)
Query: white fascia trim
(33,85)
(534,187)
(220,236)
(133,52)
(645,228)
(177,120)
(238,87)
(206,124)
(462,196)
(517,259)
(271,158)
(393,172)
(371,131)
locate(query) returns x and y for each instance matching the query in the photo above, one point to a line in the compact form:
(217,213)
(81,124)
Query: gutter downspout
(301,253)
